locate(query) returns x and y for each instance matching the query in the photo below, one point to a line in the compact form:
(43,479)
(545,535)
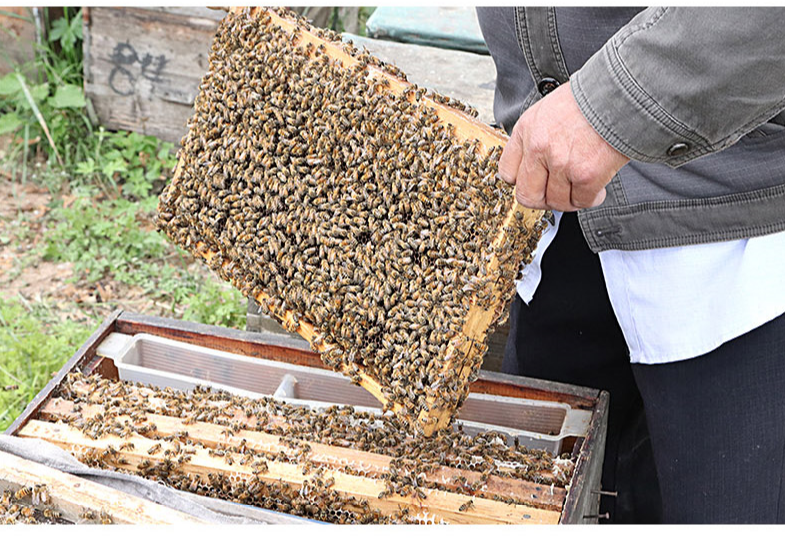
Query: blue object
(445,27)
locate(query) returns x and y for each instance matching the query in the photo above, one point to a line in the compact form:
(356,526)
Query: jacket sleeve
(675,84)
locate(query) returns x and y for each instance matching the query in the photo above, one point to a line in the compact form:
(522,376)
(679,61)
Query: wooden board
(443,505)
(374,465)
(73,495)
(143,66)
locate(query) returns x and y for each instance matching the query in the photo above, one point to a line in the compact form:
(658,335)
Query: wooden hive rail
(480,318)
(73,496)
(441,505)
(159,406)
(372,464)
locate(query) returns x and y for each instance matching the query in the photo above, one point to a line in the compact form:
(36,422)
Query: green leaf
(58,29)
(86,167)
(10,122)
(76,25)
(116,165)
(9,85)
(39,92)
(68,96)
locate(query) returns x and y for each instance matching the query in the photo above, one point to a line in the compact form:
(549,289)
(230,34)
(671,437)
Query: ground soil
(26,276)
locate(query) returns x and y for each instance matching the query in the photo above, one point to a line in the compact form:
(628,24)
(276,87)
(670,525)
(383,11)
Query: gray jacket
(695,96)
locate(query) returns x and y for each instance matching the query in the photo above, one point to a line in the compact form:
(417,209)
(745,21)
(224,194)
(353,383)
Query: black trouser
(711,468)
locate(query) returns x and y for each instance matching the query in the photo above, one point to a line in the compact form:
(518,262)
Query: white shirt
(681,302)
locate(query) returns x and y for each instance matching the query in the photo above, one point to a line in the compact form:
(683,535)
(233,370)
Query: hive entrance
(356,209)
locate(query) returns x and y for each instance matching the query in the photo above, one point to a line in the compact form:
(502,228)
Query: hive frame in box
(582,501)
(480,316)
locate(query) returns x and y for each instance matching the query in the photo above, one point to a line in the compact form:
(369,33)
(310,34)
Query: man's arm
(673,85)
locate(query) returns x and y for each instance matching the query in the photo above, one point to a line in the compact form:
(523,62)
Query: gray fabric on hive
(211,510)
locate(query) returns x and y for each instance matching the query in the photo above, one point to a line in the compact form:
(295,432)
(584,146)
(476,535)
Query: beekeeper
(657,136)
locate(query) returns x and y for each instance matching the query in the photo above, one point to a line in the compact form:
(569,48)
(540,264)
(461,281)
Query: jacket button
(680,148)
(547,85)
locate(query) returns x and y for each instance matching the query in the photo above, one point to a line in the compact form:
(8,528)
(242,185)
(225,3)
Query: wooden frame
(460,350)
(580,501)
(73,495)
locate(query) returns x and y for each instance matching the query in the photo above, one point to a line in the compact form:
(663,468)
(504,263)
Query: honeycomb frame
(512,244)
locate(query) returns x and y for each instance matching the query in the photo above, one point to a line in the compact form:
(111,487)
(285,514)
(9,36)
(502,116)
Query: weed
(34,344)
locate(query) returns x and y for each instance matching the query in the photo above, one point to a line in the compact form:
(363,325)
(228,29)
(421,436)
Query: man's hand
(556,159)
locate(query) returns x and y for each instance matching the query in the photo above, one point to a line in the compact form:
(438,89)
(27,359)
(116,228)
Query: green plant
(105,184)
(101,239)
(362,19)
(33,346)
(136,164)
(43,105)
(106,240)
(214,302)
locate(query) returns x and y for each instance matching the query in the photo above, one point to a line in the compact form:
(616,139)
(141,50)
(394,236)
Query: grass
(33,346)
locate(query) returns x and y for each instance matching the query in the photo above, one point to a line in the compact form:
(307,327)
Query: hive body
(359,211)
(336,464)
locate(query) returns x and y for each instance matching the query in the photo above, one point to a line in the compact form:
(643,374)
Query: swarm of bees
(28,505)
(345,205)
(485,454)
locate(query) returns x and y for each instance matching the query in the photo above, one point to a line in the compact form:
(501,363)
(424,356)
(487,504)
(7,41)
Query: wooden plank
(143,66)
(240,416)
(374,465)
(73,495)
(278,348)
(583,502)
(85,353)
(443,505)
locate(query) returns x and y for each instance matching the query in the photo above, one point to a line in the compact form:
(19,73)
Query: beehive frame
(503,500)
(464,350)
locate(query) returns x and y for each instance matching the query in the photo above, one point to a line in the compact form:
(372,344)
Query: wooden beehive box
(576,504)
(201,213)
(142,65)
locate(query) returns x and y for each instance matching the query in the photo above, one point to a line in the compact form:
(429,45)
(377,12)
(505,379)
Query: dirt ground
(26,276)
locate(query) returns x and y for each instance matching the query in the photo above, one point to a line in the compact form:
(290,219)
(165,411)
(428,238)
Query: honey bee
(23,492)
(374,257)
(466,506)
(88,514)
